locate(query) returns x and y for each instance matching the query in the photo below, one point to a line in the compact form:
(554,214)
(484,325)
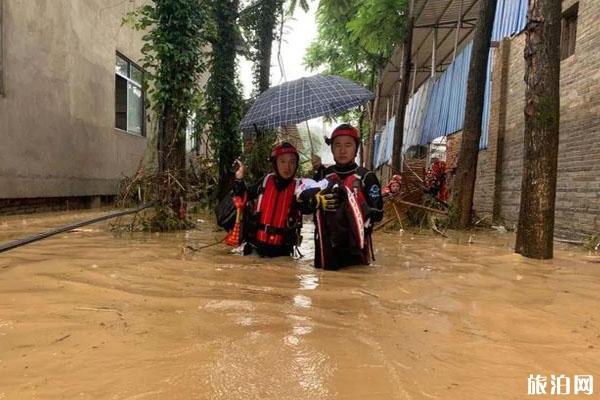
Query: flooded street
(91,315)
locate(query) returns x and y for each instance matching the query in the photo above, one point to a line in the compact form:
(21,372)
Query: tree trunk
(403,97)
(172,160)
(268,21)
(535,229)
(466,170)
(369,114)
(226,126)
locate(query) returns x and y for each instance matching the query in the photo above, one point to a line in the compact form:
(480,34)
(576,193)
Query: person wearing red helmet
(272,218)
(347,209)
(393,187)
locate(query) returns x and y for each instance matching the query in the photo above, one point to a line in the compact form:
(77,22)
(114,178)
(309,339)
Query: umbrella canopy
(300,100)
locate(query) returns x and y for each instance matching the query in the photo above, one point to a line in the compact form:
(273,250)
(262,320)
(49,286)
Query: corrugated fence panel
(445,111)
(389,144)
(385,144)
(458,94)
(415,115)
(376,142)
(487,104)
(432,113)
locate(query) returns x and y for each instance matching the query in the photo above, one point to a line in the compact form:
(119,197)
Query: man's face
(343,149)
(286,165)
(395,187)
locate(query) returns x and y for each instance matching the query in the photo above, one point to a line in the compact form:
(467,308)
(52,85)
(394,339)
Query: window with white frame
(129,96)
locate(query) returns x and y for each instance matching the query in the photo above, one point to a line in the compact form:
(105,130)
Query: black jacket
(371,186)
(335,253)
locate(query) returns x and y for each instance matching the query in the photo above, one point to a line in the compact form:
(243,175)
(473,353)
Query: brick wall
(452,149)
(578,186)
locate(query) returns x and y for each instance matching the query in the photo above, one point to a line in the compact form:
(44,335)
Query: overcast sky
(299,32)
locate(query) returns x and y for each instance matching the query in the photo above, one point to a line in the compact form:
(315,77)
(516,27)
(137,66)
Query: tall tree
(403,96)
(378,28)
(466,171)
(355,40)
(260,21)
(223,98)
(173,60)
(535,230)
(268,16)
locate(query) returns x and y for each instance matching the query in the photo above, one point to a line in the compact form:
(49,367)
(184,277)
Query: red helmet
(345,130)
(397,178)
(280,149)
(284,148)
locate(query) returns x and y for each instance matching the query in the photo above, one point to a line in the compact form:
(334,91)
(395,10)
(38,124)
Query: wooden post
(434,44)
(371,139)
(387,110)
(414,78)
(458,26)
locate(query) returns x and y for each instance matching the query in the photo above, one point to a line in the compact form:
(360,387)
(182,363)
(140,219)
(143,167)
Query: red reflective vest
(353,184)
(273,207)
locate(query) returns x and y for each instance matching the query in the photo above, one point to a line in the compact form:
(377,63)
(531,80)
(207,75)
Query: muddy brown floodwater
(91,315)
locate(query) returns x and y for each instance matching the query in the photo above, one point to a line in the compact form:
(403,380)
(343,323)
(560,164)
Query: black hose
(21,242)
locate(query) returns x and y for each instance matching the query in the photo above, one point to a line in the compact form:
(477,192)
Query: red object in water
(436,179)
(233,238)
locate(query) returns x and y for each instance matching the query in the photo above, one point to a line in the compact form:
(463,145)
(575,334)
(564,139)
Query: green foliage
(259,22)
(378,26)
(337,51)
(355,40)
(257,156)
(162,219)
(222,110)
(294,3)
(173,56)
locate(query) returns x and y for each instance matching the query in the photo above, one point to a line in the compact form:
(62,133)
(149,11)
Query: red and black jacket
(273,218)
(339,241)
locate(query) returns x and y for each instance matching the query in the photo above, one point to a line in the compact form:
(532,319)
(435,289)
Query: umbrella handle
(312,150)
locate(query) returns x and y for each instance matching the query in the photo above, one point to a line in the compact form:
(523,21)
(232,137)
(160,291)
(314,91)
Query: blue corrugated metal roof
(438,107)
(511,17)
(446,109)
(458,92)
